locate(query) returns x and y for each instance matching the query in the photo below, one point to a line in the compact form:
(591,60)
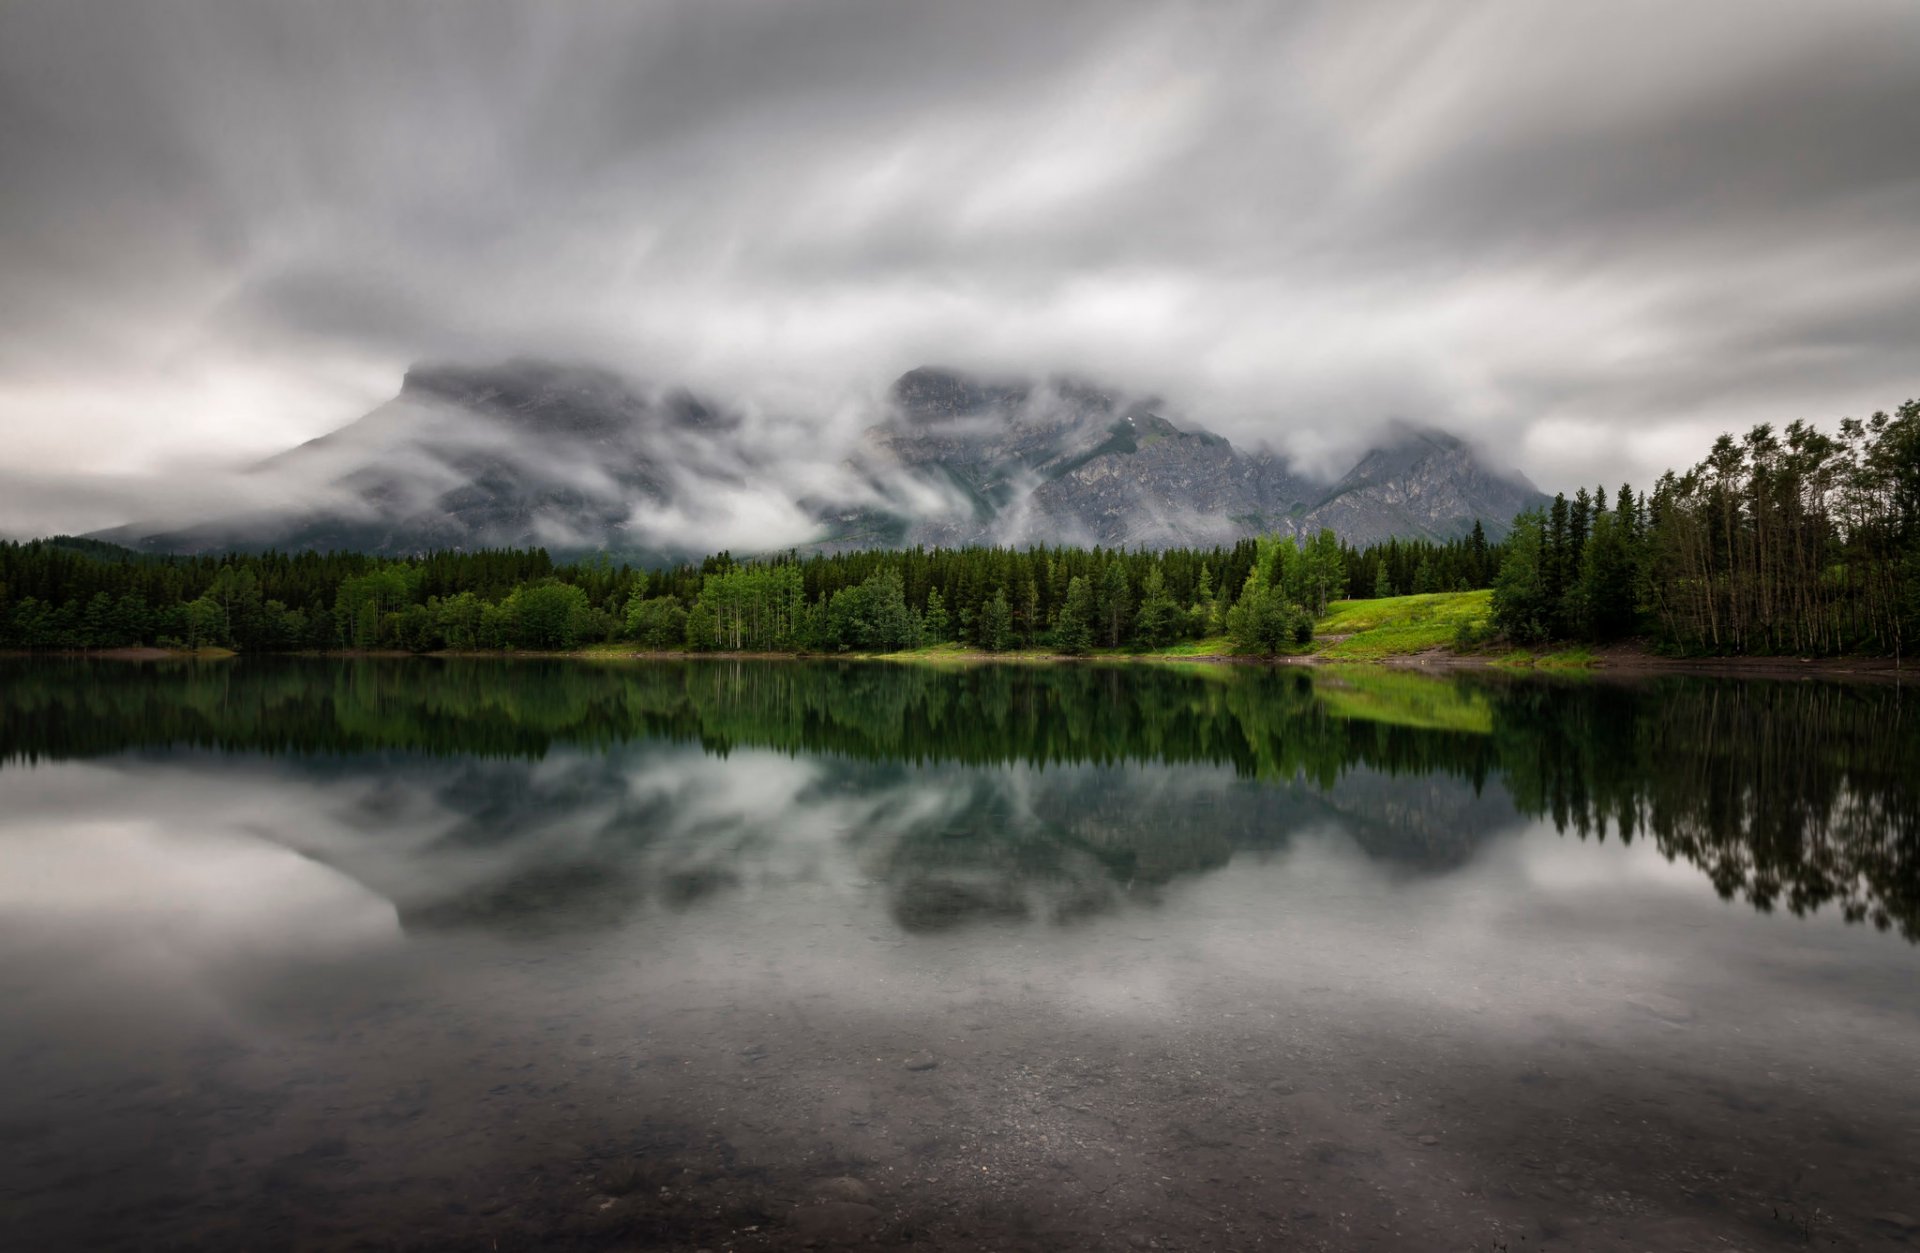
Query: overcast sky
(1587,235)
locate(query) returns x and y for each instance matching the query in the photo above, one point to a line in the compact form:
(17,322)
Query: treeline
(1796,542)
(1262,594)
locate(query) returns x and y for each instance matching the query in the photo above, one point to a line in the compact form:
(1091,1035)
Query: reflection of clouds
(157,887)
(761,875)
(773,817)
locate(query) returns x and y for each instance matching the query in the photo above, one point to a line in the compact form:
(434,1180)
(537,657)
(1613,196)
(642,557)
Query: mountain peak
(930,393)
(1423,481)
(577,457)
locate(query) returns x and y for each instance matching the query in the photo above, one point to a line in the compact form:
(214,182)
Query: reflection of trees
(1786,794)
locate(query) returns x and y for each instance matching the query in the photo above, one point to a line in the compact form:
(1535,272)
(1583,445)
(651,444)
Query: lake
(420,954)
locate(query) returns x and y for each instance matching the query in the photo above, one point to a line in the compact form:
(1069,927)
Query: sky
(1585,236)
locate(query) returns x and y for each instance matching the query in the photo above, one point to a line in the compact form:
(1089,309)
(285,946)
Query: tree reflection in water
(1011,792)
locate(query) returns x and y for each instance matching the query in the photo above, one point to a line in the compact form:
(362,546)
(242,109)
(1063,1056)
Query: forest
(1798,542)
(1780,543)
(1263,594)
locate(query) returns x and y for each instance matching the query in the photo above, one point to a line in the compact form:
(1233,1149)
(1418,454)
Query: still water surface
(422,955)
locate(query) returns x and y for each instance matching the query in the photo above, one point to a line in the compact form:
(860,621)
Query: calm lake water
(517,955)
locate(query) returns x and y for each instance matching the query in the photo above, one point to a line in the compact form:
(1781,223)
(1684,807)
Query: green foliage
(936,626)
(205,623)
(1261,621)
(1778,542)
(1604,599)
(548,615)
(1158,618)
(871,616)
(756,608)
(1115,605)
(1073,632)
(1523,599)
(996,623)
(656,621)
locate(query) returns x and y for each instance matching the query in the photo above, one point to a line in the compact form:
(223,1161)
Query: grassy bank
(1399,626)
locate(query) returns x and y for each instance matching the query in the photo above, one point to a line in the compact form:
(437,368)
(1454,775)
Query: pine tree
(1073,632)
(1153,625)
(1522,604)
(1115,603)
(996,623)
(935,624)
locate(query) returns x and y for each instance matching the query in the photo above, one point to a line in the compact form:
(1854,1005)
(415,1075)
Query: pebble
(921,1061)
(843,1188)
(833,1220)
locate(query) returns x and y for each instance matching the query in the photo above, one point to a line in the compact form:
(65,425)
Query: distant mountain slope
(1062,461)
(522,454)
(1427,483)
(575,459)
(1065,461)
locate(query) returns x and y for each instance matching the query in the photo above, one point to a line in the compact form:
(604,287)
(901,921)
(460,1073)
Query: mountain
(1067,461)
(575,458)
(522,454)
(1425,483)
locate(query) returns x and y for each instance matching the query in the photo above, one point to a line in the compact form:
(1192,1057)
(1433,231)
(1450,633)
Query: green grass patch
(1211,646)
(1396,626)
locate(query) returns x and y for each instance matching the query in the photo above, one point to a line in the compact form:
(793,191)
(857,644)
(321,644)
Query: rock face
(577,459)
(1068,462)
(1063,462)
(1427,483)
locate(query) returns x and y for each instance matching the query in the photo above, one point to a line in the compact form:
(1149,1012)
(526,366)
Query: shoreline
(1619,660)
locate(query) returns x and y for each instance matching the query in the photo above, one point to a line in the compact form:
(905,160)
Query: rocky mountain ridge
(578,459)
(1070,462)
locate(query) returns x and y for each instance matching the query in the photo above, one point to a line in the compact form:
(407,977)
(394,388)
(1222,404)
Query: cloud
(1593,234)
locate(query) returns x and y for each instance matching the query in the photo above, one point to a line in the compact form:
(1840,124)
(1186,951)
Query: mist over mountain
(1071,461)
(578,458)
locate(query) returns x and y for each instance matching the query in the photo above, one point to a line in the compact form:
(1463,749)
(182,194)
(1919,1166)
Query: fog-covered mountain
(1068,461)
(573,459)
(522,454)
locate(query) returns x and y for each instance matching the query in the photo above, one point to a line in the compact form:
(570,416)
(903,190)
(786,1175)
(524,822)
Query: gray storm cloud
(1587,235)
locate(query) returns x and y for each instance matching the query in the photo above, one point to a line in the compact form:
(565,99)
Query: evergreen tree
(1522,603)
(935,623)
(1605,594)
(1153,625)
(1073,632)
(996,623)
(1115,603)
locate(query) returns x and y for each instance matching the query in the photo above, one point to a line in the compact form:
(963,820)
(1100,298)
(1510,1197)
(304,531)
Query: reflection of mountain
(1791,794)
(582,840)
